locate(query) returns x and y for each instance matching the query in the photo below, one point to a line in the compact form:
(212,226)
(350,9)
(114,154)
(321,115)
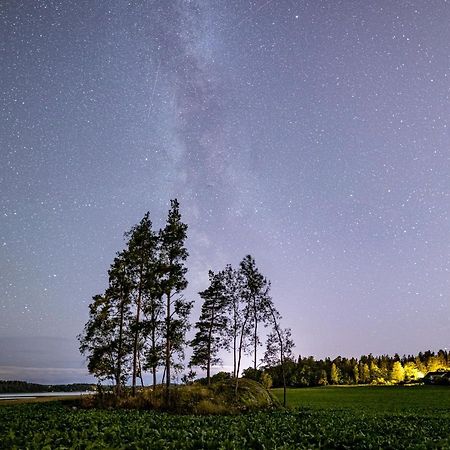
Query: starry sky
(313,135)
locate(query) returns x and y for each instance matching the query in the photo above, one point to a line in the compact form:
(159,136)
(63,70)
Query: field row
(53,425)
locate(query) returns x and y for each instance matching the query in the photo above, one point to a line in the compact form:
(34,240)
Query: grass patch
(17,401)
(371,399)
(219,398)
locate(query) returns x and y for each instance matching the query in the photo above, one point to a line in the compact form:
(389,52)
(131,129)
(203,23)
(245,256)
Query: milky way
(313,135)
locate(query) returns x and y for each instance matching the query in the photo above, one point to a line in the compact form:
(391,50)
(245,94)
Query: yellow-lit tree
(375,373)
(397,372)
(364,373)
(412,373)
(335,375)
(356,373)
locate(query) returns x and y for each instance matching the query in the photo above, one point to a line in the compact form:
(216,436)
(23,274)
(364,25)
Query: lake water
(42,394)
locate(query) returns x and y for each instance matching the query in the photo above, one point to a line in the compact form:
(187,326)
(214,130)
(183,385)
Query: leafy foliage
(140,322)
(173,281)
(211,326)
(100,340)
(257,301)
(141,259)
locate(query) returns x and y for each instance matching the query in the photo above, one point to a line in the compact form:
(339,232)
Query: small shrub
(209,406)
(252,374)
(220,377)
(266,380)
(218,398)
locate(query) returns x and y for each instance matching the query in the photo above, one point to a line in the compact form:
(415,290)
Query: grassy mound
(218,398)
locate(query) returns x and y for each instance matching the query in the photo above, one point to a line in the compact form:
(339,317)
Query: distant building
(439,377)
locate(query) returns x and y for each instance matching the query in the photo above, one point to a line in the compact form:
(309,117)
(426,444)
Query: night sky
(313,135)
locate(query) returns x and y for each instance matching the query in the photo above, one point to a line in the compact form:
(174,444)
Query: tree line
(368,369)
(139,323)
(15,386)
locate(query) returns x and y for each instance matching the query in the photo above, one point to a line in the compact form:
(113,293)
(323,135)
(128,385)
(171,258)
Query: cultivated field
(358,417)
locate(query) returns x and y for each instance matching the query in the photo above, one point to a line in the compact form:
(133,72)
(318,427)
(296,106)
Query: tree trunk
(168,347)
(235,335)
(140,370)
(119,351)
(255,337)
(282,372)
(208,362)
(241,340)
(154,363)
(280,338)
(136,334)
(238,363)
(234,352)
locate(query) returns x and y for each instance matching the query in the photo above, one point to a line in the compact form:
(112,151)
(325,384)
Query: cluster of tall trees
(365,370)
(140,322)
(236,307)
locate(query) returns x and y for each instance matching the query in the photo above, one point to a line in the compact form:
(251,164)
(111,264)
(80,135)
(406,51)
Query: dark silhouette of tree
(141,312)
(255,295)
(279,346)
(118,293)
(153,329)
(141,257)
(232,289)
(99,341)
(211,326)
(173,255)
(96,342)
(105,339)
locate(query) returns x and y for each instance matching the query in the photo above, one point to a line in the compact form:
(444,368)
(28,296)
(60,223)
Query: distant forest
(366,370)
(305,372)
(16,387)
